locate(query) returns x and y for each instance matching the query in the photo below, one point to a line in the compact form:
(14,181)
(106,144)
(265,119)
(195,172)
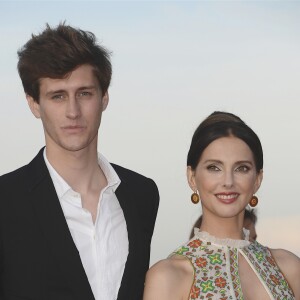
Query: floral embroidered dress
(215,263)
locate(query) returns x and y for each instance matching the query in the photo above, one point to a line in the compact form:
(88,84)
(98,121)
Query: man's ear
(105,100)
(34,106)
(190,174)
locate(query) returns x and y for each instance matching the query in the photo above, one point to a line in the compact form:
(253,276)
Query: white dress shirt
(103,245)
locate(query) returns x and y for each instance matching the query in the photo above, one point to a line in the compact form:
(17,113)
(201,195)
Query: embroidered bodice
(216,274)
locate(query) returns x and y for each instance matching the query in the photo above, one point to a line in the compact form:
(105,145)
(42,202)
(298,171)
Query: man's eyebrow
(88,87)
(51,92)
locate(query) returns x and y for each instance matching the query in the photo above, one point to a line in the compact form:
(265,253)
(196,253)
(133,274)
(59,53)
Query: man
(72,225)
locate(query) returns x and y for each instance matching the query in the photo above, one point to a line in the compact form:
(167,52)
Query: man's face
(70,109)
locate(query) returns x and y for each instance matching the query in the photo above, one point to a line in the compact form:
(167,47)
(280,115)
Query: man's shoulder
(23,172)
(137,182)
(13,174)
(126,174)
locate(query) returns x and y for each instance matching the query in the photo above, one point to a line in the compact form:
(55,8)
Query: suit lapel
(56,232)
(122,194)
(136,264)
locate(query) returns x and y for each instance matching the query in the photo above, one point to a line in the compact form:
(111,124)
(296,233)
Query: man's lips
(227,198)
(73,128)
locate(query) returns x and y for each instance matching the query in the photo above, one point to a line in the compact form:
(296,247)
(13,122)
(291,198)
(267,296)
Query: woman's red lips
(227,198)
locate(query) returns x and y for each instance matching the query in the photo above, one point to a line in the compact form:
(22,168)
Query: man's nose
(73,110)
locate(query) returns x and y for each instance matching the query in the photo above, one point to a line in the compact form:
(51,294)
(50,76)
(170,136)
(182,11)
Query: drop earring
(195,197)
(253,201)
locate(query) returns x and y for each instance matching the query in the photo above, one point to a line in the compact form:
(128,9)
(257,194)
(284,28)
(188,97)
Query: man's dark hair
(56,52)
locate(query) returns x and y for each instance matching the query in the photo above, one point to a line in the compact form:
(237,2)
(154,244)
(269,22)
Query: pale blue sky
(173,64)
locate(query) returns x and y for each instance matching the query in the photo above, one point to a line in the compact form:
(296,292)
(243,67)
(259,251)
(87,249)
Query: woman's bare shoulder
(174,268)
(286,259)
(170,278)
(289,264)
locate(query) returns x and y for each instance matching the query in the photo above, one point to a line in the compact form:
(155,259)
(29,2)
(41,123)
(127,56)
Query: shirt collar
(113,180)
(62,187)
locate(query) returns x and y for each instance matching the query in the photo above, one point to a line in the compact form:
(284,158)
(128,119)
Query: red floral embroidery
(271,260)
(201,262)
(275,279)
(220,282)
(195,243)
(195,292)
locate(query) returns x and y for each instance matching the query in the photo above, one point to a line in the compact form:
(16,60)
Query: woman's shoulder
(289,264)
(175,263)
(171,269)
(286,260)
(283,254)
(170,278)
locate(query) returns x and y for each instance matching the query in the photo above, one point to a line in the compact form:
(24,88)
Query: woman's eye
(243,169)
(213,168)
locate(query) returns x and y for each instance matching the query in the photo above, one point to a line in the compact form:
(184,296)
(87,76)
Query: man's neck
(80,169)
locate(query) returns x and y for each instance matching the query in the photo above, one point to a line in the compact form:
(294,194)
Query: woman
(250,219)
(225,170)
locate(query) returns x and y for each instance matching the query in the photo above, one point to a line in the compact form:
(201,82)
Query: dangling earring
(195,197)
(253,201)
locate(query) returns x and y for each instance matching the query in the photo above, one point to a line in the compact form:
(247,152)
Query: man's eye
(57,97)
(84,94)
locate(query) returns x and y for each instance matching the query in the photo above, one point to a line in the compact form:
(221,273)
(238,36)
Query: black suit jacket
(38,258)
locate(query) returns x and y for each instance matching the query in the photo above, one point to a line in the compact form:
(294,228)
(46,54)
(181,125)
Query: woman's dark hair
(251,215)
(223,124)
(58,51)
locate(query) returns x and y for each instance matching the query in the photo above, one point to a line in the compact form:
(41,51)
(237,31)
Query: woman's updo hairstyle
(222,124)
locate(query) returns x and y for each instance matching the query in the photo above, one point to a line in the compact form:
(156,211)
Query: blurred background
(175,62)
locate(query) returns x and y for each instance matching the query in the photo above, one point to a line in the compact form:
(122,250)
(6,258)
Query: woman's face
(226,177)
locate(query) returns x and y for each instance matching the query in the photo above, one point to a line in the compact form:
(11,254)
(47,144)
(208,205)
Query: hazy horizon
(175,62)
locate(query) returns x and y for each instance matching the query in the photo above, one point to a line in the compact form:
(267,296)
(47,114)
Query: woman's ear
(258,181)
(190,174)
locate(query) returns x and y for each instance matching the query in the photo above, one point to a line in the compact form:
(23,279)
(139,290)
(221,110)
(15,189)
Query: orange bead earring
(253,201)
(195,198)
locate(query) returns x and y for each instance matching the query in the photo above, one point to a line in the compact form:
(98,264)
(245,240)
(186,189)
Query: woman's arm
(289,265)
(169,279)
